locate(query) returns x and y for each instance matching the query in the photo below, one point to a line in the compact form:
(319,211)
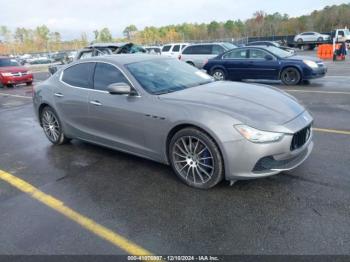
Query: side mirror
(119,89)
(268,57)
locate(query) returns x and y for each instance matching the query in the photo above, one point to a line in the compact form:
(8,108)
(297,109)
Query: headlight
(6,74)
(310,63)
(258,136)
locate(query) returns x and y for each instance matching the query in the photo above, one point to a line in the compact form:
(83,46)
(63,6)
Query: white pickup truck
(341,35)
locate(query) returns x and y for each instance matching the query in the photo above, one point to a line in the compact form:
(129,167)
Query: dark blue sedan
(269,63)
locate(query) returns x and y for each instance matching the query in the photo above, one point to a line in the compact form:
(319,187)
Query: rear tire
(219,74)
(29,83)
(300,41)
(290,76)
(196,159)
(52,126)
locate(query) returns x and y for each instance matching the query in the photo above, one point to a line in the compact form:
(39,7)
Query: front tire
(52,127)
(290,76)
(196,159)
(320,39)
(218,74)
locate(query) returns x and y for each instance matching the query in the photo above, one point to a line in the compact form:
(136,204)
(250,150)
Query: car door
(261,66)
(115,120)
(201,53)
(175,51)
(71,98)
(236,64)
(166,50)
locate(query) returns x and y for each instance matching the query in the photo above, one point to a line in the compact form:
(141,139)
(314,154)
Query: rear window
(236,54)
(166,48)
(79,75)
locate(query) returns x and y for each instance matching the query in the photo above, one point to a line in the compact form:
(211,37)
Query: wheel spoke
(176,153)
(181,149)
(203,170)
(184,144)
(205,165)
(199,174)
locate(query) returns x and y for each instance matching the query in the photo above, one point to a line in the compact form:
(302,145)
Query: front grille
(19,74)
(300,138)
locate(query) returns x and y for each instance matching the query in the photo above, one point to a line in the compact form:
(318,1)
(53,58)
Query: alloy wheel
(219,75)
(193,159)
(51,126)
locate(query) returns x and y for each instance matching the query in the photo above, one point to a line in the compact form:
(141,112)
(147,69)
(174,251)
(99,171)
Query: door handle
(59,95)
(96,103)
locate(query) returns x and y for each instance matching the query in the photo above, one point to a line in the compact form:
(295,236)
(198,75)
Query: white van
(173,50)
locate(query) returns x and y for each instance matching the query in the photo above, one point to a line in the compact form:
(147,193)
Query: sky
(72,17)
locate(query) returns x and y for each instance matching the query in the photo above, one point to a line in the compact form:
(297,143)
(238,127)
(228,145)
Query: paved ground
(305,211)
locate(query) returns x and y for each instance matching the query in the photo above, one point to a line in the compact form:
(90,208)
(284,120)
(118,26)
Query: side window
(166,48)
(217,49)
(176,48)
(204,49)
(106,74)
(183,46)
(257,54)
(79,75)
(236,54)
(188,50)
(87,54)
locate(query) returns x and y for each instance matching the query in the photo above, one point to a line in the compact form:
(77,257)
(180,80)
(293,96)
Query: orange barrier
(325,51)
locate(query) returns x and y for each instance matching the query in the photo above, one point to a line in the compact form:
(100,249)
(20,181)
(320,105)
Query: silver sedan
(167,111)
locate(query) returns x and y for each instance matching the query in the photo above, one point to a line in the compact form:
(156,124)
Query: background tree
(130,31)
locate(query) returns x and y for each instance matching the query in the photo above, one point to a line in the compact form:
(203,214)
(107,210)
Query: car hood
(255,105)
(301,58)
(13,69)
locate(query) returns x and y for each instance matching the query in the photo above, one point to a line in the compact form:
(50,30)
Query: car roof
(106,45)
(123,59)
(4,57)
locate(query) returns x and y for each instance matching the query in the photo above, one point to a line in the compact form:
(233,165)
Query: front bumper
(247,160)
(315,73)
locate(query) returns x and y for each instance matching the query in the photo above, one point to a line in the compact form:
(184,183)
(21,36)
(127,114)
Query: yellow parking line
(334,131)
(99,230)
(319,92)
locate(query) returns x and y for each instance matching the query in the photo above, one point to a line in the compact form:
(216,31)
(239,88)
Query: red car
(12,73)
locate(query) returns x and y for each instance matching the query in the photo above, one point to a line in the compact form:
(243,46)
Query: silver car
(198,54)
(168,111)
(311,37)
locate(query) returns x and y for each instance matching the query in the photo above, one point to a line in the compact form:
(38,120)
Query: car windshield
(8,62)
(278,51)
(161,76)
(229,46)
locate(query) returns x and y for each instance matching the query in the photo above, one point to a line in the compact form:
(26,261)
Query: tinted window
(106,74)
(217,49)
(166,48)
(8,62)
(176,48)
(183,46)
(79,75)
(257,54)
(236,54)
(198,50)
